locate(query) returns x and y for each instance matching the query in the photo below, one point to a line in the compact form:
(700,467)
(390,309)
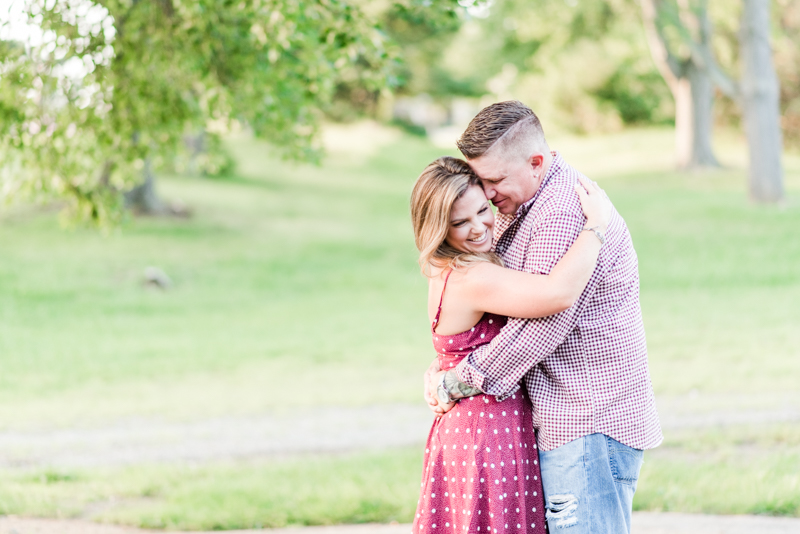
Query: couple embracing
(540,386)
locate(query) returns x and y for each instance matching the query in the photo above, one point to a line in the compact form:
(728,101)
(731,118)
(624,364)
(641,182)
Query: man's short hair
(495,122)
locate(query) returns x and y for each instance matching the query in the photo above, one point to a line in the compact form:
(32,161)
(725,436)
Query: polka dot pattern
(481,470)
(493,482)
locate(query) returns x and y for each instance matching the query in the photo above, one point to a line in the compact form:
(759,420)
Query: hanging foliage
(107,87)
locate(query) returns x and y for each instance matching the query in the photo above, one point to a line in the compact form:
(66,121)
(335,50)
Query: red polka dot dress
(481,470)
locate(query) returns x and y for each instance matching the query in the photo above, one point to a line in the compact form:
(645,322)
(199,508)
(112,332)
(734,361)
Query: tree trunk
(684,119)
(760,103)
(692,87)
(143,197)
(702,117)
(694,119)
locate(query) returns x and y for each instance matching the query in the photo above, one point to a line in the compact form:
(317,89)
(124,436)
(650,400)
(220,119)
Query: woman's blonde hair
(438,187)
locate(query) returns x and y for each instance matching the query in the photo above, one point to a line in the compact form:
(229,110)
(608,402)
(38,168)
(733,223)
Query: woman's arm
(493,289)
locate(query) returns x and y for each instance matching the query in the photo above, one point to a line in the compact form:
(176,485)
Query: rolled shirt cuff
(469,375)
(501,389)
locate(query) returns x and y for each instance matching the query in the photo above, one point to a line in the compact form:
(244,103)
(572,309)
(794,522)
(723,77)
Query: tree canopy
(113,85)
(112,88)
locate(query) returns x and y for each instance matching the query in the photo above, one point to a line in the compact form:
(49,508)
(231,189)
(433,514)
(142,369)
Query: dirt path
(303,431)
(643,523)
(332,429)
(136,441)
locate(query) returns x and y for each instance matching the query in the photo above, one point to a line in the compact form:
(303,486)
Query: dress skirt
(481,471)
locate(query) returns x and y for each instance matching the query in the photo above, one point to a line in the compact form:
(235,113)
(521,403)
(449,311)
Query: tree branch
(167,7)
(704,59)
(657,16)
(667,63)
(703,56)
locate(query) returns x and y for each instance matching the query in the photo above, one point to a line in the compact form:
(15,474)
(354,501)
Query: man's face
(509,182)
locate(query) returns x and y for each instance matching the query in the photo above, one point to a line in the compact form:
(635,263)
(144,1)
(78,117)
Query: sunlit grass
(750,470)
(310,272)
(745,470)
(282,271)
(369,487)
(298,285)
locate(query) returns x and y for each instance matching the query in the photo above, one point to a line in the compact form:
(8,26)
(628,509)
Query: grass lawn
(752,469)
(318,491)
(741,471)
(296,275)
(283,271)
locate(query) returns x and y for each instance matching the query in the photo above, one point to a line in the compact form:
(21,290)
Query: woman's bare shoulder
(480,276)
(483,269)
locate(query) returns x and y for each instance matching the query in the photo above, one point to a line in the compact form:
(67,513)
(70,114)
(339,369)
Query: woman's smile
(471,222)
(481,238)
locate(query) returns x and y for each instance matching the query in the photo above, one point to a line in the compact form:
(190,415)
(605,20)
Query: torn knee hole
(561,510)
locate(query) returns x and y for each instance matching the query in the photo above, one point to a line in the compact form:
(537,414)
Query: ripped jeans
(589,485)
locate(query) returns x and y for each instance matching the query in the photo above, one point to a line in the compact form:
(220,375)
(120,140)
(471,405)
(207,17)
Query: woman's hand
(428,393)
(435,404)
(595,203)
(442,409)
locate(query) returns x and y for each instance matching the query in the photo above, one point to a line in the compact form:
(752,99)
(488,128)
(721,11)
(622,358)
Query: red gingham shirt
(585,368)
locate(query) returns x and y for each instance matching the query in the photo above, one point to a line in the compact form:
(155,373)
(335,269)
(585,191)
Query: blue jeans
(589,485)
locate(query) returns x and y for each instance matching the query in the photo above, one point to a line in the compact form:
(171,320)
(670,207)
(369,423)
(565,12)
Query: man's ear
(536,160)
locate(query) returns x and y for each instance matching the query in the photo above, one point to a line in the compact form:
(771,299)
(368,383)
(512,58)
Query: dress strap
(441,299)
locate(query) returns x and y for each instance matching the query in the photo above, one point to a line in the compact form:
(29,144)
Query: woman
(481,471)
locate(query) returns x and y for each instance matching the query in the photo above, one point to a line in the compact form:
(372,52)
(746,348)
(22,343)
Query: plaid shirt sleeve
(497,368)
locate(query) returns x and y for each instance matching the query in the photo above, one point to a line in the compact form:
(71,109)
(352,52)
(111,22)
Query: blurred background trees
(681,26)
(584,66)
(100,95)
(680,41)
(760,91)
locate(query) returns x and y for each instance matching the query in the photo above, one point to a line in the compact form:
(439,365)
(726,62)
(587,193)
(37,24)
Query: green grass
(370,487)
(720,286)
(289,275)
(283,271)
(311,272)
(747,470)
(754,470)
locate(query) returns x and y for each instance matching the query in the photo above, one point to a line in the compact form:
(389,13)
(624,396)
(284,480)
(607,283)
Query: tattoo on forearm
(458,389)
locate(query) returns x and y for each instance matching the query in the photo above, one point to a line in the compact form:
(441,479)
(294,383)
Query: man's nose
(489,192)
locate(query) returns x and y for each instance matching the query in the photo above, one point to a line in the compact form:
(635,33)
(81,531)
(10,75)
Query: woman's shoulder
(466,282)
(478,278)
(480,270)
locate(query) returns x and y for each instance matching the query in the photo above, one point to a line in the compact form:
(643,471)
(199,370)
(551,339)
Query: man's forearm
(497,368)
(456,388)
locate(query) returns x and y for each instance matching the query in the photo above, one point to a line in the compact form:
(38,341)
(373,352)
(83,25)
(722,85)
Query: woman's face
(471,222)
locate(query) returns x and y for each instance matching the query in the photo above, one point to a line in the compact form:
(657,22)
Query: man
(585,369)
